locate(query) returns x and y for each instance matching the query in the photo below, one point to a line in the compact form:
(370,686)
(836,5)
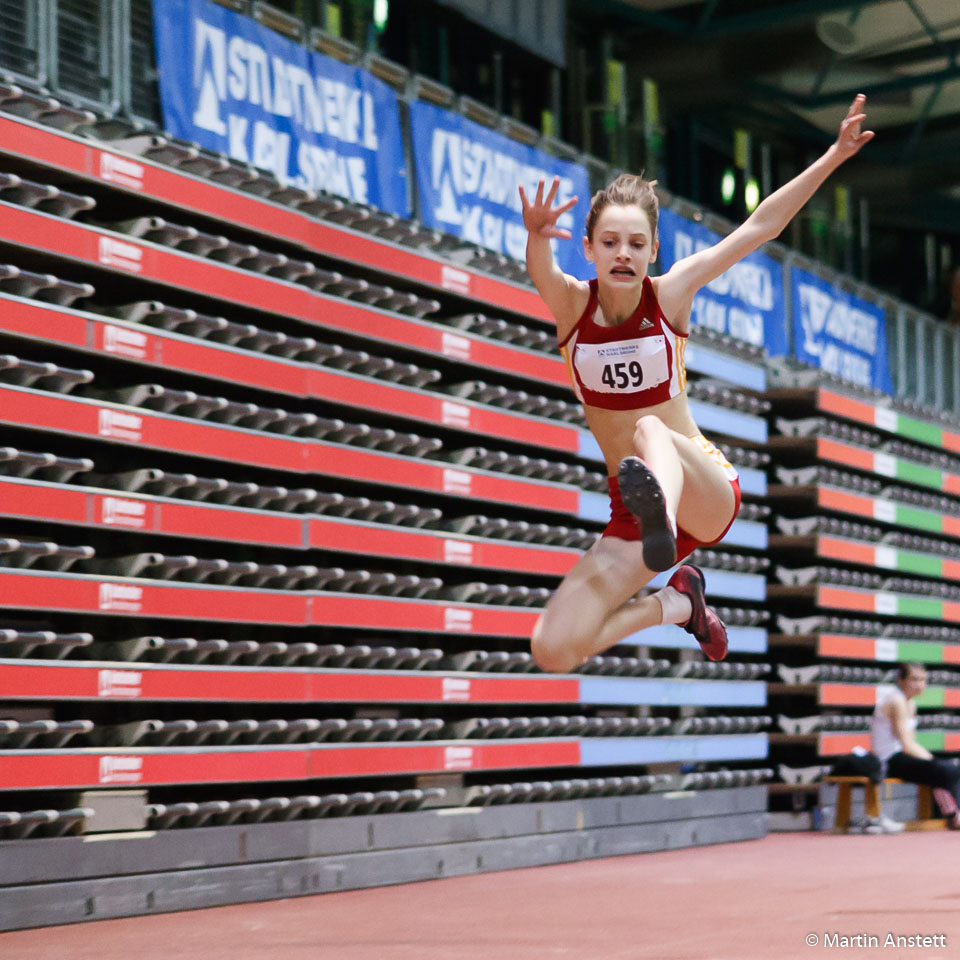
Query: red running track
(744,901)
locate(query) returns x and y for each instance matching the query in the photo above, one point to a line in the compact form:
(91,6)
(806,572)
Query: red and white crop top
(637,363)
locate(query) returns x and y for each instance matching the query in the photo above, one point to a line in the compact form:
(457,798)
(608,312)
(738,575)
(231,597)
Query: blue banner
(839,333)
(467,178)
(746,302)
(236,87)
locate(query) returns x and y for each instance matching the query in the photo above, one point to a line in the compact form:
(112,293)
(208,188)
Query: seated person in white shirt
(893,729)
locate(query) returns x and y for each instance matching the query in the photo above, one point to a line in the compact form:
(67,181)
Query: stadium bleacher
(273,425)
(286,481)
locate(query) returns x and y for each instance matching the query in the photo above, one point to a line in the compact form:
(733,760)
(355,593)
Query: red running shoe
(704,624)
(642,495)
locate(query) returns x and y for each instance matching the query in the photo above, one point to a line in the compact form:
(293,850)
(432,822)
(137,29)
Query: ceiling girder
(916,149)
(928,28)
(807,101)
(709,25)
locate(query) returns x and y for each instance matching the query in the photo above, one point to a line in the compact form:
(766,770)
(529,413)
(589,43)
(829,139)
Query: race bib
(624,366)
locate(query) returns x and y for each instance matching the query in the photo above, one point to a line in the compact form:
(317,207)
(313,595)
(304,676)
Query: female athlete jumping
(623,336)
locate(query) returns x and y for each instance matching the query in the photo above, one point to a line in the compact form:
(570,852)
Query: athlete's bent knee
(648,429)
(550,655)
(947,775)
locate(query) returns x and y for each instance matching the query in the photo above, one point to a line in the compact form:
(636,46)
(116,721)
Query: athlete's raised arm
(680,284)
(562,293)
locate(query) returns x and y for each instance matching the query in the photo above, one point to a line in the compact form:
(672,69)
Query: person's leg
(943,777)
(594,606)
(656,445)
(709,504)
(703,624)
(675,481)
(934,773)
(947,803)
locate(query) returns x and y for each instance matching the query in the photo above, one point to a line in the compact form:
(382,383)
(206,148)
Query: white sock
(675,607)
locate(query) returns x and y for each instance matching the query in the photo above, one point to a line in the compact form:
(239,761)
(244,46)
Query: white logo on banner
(120,254)
(123,513)
(884,649)
(119,683)
(455,690)
(885,603)
(458,551)
(125,343)
(884,463)
(885,510)
(886,419)
(886,557)
(820,314)
(458,758)
(121,170)
(466,173)
(457,481)
(115,769)
(453,346)
(119,425)
(212,81)
(234,69)
(121,596)
(457,621)
(456,280)
(455,415)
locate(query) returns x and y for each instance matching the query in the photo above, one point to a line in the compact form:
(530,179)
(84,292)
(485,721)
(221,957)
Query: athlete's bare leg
(582,617)
(593,608)
(655,445)
(702,500)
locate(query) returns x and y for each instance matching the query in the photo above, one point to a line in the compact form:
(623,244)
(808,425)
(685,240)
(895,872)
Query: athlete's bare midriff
(614,429)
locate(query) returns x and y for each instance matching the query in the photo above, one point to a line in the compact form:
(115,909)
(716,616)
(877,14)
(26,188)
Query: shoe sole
(643,497)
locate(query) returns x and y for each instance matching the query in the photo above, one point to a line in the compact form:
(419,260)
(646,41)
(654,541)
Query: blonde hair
(627,190)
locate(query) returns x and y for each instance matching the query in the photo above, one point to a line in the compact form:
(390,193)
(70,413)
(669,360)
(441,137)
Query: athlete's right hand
(539,217)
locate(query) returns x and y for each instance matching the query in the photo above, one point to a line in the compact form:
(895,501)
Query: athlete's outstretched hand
(540,217)
(851,138)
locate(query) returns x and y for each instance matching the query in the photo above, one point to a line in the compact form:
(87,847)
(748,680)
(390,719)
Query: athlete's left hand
(851,138)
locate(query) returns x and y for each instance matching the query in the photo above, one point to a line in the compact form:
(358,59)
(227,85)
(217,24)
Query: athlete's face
(623,246)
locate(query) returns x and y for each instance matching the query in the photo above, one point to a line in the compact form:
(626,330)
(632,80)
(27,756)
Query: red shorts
(624,525)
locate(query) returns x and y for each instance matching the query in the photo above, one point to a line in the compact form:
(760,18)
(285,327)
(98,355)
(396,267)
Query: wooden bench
(841,821)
